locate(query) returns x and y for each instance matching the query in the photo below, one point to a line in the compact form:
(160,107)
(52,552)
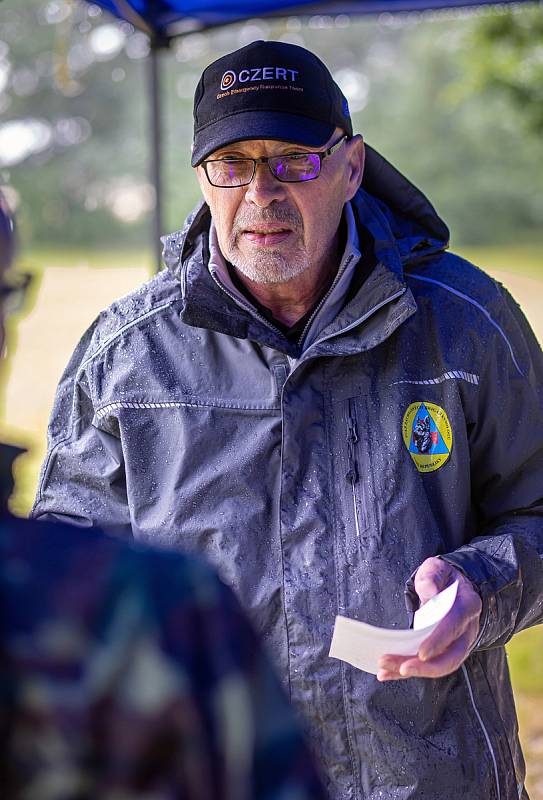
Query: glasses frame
(322,154)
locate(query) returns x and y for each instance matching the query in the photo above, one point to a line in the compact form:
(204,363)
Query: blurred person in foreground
(130,673)
(321,399)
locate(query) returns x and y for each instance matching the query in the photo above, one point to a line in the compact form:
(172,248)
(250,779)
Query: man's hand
(448,646)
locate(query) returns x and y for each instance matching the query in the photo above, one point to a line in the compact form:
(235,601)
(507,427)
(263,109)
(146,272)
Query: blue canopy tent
(164,20)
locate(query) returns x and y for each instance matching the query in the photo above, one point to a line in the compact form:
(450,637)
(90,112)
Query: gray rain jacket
(318,480)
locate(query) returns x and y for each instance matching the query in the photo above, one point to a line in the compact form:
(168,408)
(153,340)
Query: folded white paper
(362,645)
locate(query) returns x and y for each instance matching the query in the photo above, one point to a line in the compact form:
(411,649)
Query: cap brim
(250,125)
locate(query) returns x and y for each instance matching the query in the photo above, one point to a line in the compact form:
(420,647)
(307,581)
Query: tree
(507,57)
(424,89)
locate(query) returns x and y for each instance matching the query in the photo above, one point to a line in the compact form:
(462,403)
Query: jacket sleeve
(82,480)
(505,562)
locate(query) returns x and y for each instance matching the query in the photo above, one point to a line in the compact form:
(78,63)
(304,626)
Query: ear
(355,165)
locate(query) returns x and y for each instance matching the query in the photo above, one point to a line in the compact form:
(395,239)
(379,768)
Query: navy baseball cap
(267,90)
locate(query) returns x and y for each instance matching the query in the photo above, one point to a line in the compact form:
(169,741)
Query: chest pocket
(354,487)
(356,470)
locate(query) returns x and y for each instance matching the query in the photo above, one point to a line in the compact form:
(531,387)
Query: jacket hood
(410,217)
(393,209)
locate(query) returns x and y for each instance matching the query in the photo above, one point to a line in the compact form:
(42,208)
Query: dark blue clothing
(132,673)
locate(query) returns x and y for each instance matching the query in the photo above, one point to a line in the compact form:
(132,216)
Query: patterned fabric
(129,673)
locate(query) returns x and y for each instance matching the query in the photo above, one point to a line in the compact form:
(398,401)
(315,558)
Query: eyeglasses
(229,173)
(13,292)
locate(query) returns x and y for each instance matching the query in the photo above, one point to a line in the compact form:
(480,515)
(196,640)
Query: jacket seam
(477,305)
(55,447)
(45,470)
(127,326)
(484,730)
(47,461)
(481,664)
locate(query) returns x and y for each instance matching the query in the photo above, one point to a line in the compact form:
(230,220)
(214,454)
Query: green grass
(36,261)
(525,653)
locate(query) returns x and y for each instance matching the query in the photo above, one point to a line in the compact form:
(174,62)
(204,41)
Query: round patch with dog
(427,434)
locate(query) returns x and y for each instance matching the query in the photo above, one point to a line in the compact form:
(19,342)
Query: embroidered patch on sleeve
(427,434)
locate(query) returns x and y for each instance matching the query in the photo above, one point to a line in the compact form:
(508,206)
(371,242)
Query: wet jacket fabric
(132,673)
(318,479)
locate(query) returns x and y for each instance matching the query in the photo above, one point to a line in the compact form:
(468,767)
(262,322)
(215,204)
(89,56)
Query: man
(127,672)
(324,402)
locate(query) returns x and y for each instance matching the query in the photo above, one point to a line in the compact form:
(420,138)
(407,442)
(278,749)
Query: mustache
(246,218)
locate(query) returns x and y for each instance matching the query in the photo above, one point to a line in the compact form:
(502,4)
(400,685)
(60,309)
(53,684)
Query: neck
(293,299)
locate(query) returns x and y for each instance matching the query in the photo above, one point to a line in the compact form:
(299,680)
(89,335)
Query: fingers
(389,667)
(399,667)
(463,615)
(432,577)
(449,644)
(443,664)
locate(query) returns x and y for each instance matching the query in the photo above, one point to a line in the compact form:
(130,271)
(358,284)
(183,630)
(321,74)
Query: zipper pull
(352,439)
(353,433)
(352,475)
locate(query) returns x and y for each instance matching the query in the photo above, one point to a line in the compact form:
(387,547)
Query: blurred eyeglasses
(229,173)
(13,292)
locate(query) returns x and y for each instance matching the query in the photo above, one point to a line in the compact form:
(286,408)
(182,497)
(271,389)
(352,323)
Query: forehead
(260,147)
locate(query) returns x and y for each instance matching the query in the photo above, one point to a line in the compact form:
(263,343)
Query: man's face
(273,231)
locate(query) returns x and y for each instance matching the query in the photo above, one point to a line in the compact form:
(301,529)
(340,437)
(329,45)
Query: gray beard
(269,267)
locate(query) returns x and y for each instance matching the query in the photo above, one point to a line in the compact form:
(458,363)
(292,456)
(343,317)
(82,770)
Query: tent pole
(155,110)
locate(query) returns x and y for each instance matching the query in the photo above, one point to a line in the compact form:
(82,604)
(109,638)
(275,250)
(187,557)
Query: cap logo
(228,79)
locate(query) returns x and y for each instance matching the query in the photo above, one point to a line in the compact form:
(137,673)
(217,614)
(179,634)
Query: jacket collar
(207,305)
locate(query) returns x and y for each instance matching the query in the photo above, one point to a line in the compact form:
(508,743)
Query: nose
(264,189)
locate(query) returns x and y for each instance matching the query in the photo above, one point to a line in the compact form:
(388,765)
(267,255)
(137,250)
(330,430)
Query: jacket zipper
(352,473)
(324,299)
(245,306)
(483,728)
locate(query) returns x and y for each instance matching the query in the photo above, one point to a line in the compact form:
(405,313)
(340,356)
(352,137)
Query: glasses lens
(230,173)
(296,168)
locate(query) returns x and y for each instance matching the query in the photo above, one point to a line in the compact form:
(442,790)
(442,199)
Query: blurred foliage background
(454,99)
